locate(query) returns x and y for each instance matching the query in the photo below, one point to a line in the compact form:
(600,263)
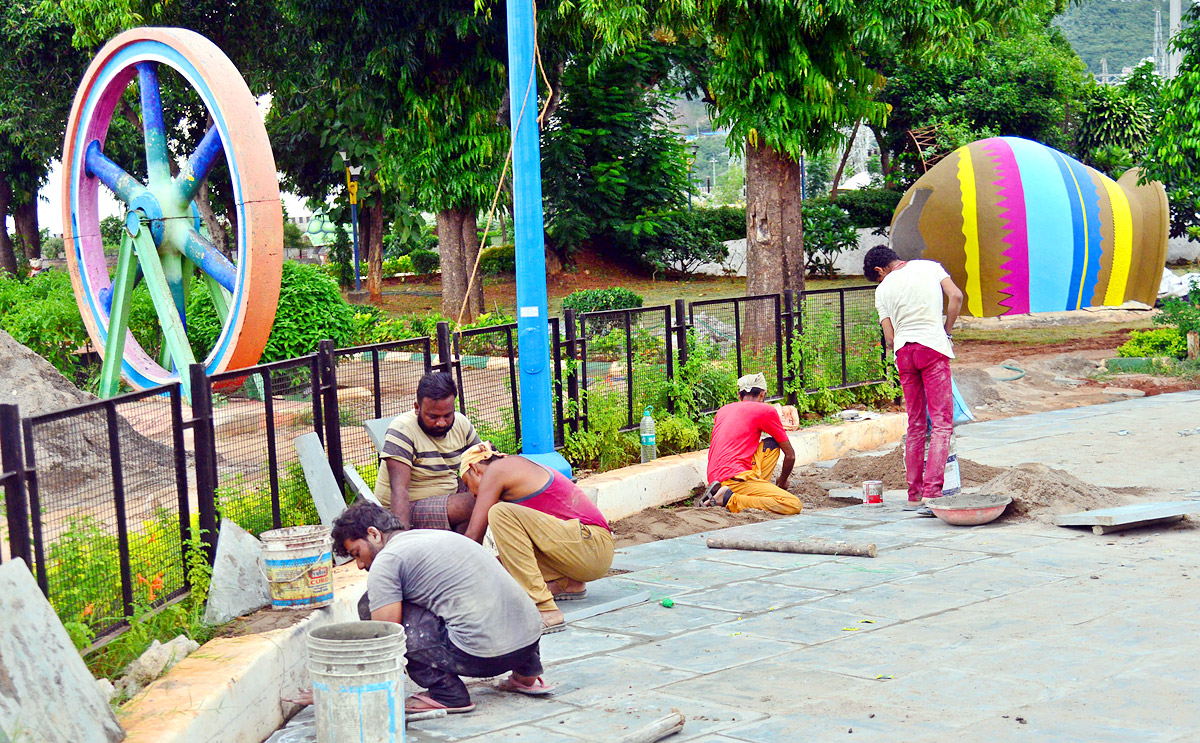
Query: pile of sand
(889,468)
(654,524)
(72,455)
(1042,492)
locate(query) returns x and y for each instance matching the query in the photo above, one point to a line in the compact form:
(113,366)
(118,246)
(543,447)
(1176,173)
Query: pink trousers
(925,379)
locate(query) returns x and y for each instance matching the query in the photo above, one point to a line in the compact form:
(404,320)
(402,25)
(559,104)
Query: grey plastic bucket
(358,682)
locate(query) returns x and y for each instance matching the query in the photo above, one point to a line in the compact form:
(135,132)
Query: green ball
(668,603)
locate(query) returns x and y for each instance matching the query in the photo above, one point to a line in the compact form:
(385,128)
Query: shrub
(675,241)
(41,314)
(827,233)
(1183,314)
(725,222)
(869,207)
(310,310)
(497,260)
(676,435)
(424,262)
(393,266)
(340,259)
(598,300)
(1170,342)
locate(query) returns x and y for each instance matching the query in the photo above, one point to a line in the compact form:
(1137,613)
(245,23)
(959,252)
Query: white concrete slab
(1128,515)
(47,694)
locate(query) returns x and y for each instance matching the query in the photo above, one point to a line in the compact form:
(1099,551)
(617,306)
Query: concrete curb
(231,689)
(624,492)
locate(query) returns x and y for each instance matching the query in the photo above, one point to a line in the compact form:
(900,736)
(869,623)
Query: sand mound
(889,468)
(1041,492)
(74,450)
(654,524)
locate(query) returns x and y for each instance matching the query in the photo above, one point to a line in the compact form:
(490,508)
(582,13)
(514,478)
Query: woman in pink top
(548,533)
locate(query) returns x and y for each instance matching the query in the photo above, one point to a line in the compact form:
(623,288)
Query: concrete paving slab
(494,710)
(841,575)
(694,574)
(809,625)
(768,560)
(925,557)
(1132,515)
(748,597)
(708,650)
(654,620)
(984,579)
(896,601)
(614,720)
(576,642)
(610,677)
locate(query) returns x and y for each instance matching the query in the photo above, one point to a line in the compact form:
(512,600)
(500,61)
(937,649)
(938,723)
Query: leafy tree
(1022,86)
(609,159)
(1173,156)
(411,91)
(788,77)
(1114,127)
(39,70)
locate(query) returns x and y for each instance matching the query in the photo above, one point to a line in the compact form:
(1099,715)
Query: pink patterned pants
(925,378)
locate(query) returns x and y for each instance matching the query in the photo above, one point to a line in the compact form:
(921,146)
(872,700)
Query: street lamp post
(691,160)
(352,173)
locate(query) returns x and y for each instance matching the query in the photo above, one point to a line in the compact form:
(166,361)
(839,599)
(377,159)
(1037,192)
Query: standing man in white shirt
(909,303)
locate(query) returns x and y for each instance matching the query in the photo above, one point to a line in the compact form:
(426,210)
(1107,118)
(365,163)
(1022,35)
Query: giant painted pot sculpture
(1024,228)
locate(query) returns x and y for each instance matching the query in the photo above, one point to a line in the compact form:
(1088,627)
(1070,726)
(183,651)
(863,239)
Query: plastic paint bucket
(298,564)
(358,682)
(873,493)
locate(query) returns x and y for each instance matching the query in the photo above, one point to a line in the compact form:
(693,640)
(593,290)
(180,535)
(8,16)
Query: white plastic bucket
(358,682)
(298,564)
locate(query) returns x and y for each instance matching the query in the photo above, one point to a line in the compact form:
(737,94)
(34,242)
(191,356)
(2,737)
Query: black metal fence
(105,500)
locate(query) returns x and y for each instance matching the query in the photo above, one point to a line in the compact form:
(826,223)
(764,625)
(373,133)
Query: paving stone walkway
(1005,632)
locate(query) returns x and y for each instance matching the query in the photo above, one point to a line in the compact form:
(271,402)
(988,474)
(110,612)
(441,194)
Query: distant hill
(1121,31)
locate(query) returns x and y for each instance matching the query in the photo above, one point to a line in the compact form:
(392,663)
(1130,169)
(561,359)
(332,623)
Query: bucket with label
(357,671)
(298,563)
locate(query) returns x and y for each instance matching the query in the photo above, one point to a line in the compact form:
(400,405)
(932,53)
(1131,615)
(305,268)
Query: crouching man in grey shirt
(463,614)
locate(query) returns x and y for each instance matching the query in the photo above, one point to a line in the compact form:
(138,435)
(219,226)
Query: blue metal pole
(537,421)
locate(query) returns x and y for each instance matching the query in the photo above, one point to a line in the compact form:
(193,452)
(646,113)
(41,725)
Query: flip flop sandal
(432,704)
(549,629)
(711,498)
(536,689)
(568,595)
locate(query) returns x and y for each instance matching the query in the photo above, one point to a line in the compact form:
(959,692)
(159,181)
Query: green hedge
(869,207)
(597,300)
(498,260)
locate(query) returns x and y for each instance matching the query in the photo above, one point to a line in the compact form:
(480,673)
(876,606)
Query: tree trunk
(216,231)
(8,258)
(26,222)
(885,155)
(837,177)
(774,227)
(470,256)
(454,280)
(372,237)
(458,246)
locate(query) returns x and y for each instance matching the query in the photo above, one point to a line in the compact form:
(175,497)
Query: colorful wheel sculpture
(165,243)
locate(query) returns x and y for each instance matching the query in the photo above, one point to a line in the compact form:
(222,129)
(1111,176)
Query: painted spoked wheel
(165,245)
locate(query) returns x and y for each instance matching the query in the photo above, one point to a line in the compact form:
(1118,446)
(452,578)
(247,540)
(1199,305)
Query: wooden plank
(801,546)
(1131,514)
(1098,529)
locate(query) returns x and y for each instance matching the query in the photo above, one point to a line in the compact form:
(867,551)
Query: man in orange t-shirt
(741,461)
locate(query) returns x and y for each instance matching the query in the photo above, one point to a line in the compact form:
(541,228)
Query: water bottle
(649,443)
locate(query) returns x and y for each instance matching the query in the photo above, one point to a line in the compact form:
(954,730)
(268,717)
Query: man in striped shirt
(418,472)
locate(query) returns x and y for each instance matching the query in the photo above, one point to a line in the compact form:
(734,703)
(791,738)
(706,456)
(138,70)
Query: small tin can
(873,493)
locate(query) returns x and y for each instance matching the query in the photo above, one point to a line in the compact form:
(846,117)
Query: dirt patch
(889,468)
(263,620)
(1041,492)
(668,522)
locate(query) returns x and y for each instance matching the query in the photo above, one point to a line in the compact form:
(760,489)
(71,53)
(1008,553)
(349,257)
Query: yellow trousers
(753,488)
(537,548)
